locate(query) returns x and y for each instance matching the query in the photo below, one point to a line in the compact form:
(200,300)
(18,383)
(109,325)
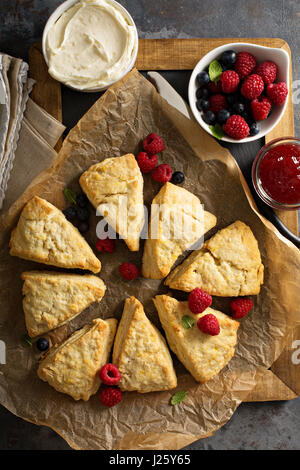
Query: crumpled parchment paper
(115,125)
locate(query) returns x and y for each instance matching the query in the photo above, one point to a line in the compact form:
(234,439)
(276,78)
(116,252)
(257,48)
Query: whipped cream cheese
(91,45)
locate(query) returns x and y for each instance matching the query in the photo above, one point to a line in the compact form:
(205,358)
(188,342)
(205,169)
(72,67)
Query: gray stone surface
(273,425)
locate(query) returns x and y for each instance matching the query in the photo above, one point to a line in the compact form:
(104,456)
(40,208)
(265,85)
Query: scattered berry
(146,163)
(236,127)
(228,58)
(277,92)
(202,104)
(42,344)
(215,87)
(83,213)
(240,307)
(202,93)
(244,64)
(260,108)
(209,324)
(238,108)
(231,98)
(70,213)
(82,201)
(217,102)
(230,81)
(153,144)
(109,374)
(177,177)
(162,173)
(268,71)
(199,300)
(108,245)
(110,396)
(252,87)
(209,117)
(129,271)
(202,78)
(83,227)
(254,128)
(222,116)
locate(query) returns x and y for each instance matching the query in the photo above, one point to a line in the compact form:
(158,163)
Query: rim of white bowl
(57,14)
(216,52)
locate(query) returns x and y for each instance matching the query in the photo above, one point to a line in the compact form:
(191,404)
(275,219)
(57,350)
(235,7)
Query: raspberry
(260,108)
(252,87)
(244,64)
(162,173)
(240,307)
(146,163)
(215,87)
(277,92)
(217,102)
(199,300)
(129,271)
(209,324)
(107,245)
(236,127)
(230,81)
(153,144)
(110,396)
(268,71)
(109,374)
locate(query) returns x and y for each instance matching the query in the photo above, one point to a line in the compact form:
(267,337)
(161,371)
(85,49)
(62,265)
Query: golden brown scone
(52,299)
(115,188)
(73,366)
(180,221)
(203,355)
(228,265)
(141,354)
(44,235)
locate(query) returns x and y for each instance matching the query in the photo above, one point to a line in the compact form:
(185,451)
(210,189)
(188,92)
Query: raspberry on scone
(267,70)
(153,144)
(209,324)
(260,108)
(199,300)
(277,92)
(244,64)
(236,127)
(252,87)
(146,163)
(109,374)
(229,81)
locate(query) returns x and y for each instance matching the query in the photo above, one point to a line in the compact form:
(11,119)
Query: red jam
(279,173)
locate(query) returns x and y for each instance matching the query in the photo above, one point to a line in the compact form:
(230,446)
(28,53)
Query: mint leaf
(215,70)
(70,195)
(217,131)
(178,397)
(187,321)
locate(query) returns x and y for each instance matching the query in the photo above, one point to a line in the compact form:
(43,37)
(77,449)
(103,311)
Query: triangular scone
(115,188)
(73,366)
(44,235)
(202,355)
(177,222)
(52,299)
(141,354)
(228,265)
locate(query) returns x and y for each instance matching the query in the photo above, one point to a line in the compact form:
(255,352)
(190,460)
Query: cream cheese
(91,45)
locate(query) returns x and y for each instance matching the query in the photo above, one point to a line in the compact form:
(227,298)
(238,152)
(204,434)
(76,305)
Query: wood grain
(282,382)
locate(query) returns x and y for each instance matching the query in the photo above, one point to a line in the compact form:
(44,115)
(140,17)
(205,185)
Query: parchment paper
(115,125)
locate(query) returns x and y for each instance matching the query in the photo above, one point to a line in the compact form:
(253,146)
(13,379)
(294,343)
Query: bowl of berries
(238,92)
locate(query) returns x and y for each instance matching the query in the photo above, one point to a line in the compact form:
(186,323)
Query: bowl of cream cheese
(90,44)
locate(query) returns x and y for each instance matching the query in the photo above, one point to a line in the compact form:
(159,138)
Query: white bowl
(261,53)
(57,14)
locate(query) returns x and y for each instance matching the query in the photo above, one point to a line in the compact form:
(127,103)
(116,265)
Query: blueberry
(209,117)
(231,98)
(254,128)
(83,227)
(177,177)
(247,117)
(202,105)
(82,201)
(202,93)
(228,58)
(202,78)
(83,214)
(238,108)
(222,116)
(42,344)
(70,213)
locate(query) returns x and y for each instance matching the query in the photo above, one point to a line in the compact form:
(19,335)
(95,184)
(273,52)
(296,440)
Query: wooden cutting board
(282,381)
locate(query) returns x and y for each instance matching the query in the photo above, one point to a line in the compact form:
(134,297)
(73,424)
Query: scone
(202,355)
(141,354)
(115,188)
(228,265)
(73,366)
(178,221)
(52,299)
(44,235)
